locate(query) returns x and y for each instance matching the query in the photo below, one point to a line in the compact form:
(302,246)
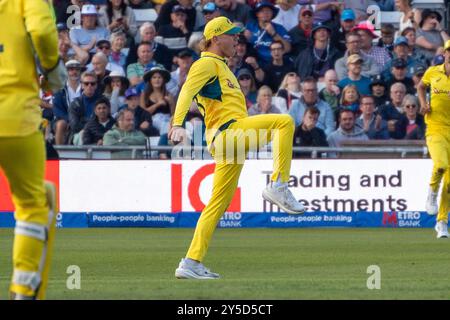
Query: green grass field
(253,263)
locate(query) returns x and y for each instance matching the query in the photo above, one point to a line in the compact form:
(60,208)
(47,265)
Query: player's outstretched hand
(177,135)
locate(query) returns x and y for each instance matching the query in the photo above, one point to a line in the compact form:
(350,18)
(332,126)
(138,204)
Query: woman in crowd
(117,16)
(413,120)
(156,99)
(116,83)
(290,88)
(264,103)
(118,52)
(430,36)
(350,99)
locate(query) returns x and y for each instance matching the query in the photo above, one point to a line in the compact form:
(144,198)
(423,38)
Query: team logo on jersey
(230,84)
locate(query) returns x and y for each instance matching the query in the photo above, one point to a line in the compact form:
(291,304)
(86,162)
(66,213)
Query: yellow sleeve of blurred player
(27,24)
(201,73)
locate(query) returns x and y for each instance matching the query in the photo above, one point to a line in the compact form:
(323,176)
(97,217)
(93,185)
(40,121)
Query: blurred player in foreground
(30,31)
(437,118)
(230,135)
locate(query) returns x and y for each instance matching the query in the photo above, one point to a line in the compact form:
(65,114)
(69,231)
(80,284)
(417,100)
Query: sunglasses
(244,78)
(410,106)
(87,83)
(307,14)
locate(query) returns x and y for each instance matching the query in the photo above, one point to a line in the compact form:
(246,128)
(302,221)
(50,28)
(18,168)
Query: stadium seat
(145,15)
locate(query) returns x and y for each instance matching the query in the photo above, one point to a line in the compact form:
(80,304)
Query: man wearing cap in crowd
(104,46)
(142,118)
(418,73)
(234,10)
(401,51)
(380,55)
(176,34)
(288,14)
(379,91)
(347,24)
(209,11)
(353,43)
(301,34)
(362,83)
(164,15)
(87,36)
(437,119)
(398,74)
(320,57)
(219,98)
(184,60)
(263,31)
(63,98)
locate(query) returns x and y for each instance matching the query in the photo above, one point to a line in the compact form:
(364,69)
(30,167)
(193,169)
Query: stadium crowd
(322,62)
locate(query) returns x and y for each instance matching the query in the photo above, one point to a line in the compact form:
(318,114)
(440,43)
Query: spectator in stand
(124,134)
(367,34)
(318,59)
(184,61)
(65,45)
(142,119)
(104,46)
(347,23)
(290,89)
(264,103)
(301,33)
(401,51)
(86,37)
(288,14)
(234,10)
(413,120)
(99,124)
(387,37)
(161,53)
(135,71)
(347,131)
(118,53)
(278,68)
(368,67)
(164,16)
(373,125)
(82,108)
(379,92)
(419,71)
(176,34)
(350,99)
(263,32)
(245,57)
(430,35)
(99,63)
(115,86)
(386,5)
(63,98)
(156,99)
(331,92)
(310,98)
(247,83)
(410,35)
(398,74)
(116,16)
(324,11)
(409,17)
(209,11)
(354,65)
(308,135)
(393,112)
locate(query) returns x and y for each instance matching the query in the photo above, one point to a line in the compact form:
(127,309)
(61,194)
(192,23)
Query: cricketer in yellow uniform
(26,24)
(437,119)
(220,99)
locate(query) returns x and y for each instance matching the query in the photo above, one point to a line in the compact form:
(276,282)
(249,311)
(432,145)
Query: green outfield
(253,263)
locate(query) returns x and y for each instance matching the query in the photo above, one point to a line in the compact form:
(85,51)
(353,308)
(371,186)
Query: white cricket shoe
(194,270)
(441,229)
(283,198)
(432,205)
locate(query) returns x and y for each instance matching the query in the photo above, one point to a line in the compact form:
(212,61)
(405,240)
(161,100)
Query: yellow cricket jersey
(439,84)
(217,93)
(26,24)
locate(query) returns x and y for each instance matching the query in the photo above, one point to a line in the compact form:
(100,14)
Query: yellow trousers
(229,151)
(438,142)
(22,160)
